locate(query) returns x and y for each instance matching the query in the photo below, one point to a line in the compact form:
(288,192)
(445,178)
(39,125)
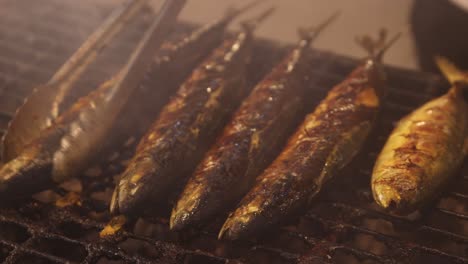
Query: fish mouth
(236,229)
(244,226)
(231,230)
(392,200)
(180,219)
(133,191)
(126,200)
(192,209)
(386,196)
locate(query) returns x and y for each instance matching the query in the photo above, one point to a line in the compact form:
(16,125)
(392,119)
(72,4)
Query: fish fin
(454,75)
(251,24)
(376,48)
(309,34)
(450,71)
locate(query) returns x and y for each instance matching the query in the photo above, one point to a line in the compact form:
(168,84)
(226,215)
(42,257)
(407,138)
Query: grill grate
(342,225)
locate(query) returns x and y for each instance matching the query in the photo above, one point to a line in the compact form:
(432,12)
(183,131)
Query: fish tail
(251,24)
(457,78)
(311,33)
(233,12)
(376,48)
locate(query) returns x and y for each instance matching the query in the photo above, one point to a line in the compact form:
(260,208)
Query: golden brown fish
(324,143)
(188,124)
(425,150)
(250,141)
(173,64)
(47,101)
(64,149)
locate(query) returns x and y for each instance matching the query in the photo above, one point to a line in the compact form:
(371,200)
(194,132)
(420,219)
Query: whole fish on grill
(324,143)
(425,149)
(172,65)
(65,148)
(48,101)
(188,123)
(251,139)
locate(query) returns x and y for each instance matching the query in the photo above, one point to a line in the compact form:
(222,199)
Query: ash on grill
(342,226)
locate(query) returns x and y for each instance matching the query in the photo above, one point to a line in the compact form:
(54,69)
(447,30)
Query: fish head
(134,188)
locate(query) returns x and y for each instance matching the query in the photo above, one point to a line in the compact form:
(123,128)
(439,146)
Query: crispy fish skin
(48,101)
(251,140)
(64,149)
(248,144)
(33,167)
(422,154)
(33,170)
(186,126)
(174,63)
(324,143)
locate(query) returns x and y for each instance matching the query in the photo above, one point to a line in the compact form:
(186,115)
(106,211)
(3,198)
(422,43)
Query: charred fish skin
(33,166)
(47,101)
(187,125)
(173,64)
(249,142)
(324,143)
(422,154)
(240,153)
(33,170)
(64,149)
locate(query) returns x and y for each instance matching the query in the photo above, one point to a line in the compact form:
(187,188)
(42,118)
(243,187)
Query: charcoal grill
(342,226)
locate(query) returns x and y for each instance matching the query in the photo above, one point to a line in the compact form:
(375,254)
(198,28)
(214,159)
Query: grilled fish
(187,124)
(47,101)
(250,140)
(65,148)
(424,151)
(173,64)
(323,144)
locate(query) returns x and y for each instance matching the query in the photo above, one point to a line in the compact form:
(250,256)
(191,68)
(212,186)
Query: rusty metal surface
(342,226)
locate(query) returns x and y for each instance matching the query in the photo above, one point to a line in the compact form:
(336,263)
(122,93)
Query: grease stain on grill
(157,230)
(78,231)
(4,252)
(106,260)
(32,258)
(13,232)
(60,248)
(135,247)
(289,243)
(198,259)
